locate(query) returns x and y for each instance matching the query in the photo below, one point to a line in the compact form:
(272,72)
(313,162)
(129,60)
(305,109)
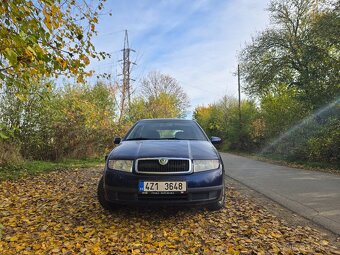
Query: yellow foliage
(58,213)
(47,29)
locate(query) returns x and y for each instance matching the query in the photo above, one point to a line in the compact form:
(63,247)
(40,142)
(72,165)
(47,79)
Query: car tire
(219,204)
(101,196)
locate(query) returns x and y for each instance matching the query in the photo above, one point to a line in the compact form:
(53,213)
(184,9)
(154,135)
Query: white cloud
(196,43)
(206,68)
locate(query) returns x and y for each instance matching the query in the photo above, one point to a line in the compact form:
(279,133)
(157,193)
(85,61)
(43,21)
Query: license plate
(162,187)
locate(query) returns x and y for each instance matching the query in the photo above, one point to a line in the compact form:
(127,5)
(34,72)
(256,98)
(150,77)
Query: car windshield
(166,130)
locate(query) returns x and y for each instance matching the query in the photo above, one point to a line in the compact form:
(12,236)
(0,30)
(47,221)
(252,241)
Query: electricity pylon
(125,88)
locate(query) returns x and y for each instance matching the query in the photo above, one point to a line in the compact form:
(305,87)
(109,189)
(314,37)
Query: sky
(197,42)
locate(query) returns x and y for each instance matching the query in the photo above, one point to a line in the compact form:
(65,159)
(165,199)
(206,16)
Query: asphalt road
(311,194)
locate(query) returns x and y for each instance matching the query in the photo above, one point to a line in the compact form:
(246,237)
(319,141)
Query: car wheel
(219,204)
(101,196)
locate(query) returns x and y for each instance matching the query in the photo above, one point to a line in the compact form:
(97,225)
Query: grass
(29,168)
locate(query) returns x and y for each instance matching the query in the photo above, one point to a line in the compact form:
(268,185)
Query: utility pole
(239,95)
(239,103)
(125,99)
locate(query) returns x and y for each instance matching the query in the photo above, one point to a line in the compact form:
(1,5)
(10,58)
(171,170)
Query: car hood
(164,148)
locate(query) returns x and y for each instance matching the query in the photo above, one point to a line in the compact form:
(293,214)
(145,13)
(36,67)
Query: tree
(84,120)
(300,50)
(46,38)
(281,110)
(202,114)
(164,96)
(73,121)
(138,110)
(222,119)
(26,123)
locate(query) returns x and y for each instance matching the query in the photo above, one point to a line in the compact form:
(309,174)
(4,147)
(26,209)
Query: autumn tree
(202,114)
(281,110)
(161,97)
(53,123)
(300,50)
(46,38)
(84,121)
(222,119)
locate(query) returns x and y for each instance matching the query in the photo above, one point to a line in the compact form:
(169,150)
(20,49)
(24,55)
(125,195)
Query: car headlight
(121,165)
(204,165)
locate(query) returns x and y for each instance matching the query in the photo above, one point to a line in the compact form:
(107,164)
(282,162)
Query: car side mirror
(106,156)
(215,140)
(117,140)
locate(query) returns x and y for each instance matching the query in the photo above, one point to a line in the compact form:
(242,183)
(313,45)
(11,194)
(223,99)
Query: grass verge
(27,168)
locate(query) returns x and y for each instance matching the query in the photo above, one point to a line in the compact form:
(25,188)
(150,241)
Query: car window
(164,130)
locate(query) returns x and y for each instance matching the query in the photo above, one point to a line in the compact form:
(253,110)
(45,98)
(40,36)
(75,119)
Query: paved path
(311,194)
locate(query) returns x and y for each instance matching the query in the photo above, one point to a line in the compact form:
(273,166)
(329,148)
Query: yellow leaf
(324,242)
(20,247)
(183,232)
(86,60)
(48,23)
(137,251)
(79,228)
(62,62)
(36,246)
(89,234)
(161,244)
(13,238)
(55,250)
(276,235)
(54,9)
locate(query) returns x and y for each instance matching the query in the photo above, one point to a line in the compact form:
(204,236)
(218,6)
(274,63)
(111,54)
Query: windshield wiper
(140,138)
(180,139)
(170,138)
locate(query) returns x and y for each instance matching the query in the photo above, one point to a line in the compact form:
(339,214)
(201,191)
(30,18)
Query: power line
(111,33)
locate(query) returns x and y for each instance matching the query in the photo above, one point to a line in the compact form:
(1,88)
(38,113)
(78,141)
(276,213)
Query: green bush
(75,121)
(325,146)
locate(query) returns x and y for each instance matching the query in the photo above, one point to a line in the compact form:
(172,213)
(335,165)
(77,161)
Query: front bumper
(202,188)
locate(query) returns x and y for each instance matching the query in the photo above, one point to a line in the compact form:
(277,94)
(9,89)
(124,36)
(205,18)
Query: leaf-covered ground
(58,213)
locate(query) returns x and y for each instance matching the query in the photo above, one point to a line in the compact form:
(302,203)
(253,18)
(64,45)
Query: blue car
(163,162)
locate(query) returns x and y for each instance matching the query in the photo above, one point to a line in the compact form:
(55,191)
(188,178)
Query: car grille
(173,166)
